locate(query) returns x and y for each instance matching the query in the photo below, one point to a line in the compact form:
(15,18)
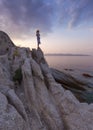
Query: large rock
(81,88)
(76,115)
(35,88)
(10,119)
(5,43)
(36,101)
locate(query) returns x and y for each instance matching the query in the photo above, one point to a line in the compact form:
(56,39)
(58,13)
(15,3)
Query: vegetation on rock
(18,76)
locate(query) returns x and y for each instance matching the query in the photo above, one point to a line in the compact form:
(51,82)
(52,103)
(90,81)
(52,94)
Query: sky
(66,26)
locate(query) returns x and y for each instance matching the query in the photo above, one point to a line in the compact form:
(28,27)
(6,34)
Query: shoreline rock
(82,89)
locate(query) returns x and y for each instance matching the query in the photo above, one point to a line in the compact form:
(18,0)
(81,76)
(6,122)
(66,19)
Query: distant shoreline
(67,55)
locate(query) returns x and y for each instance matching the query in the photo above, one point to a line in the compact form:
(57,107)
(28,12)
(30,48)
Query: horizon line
(65,54)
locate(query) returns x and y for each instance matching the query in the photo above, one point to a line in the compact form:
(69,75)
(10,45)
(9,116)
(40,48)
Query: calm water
(71,62)
(81,63)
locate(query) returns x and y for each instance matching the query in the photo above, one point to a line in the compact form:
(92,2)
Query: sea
(84,63)
(76,66)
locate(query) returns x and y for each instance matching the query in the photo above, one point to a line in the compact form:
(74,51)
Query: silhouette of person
(38,38)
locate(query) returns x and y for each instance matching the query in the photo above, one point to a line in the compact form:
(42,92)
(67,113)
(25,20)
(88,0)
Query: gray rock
(5,43)
(38,102)
(9,117)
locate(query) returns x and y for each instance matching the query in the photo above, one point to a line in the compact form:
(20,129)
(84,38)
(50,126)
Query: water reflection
(71,62)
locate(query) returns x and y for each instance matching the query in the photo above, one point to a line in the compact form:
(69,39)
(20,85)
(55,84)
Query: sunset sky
(66,26)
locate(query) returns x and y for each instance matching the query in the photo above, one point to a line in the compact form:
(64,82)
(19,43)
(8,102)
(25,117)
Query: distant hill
(61,54)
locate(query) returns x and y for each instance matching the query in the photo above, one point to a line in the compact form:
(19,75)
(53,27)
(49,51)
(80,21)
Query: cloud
(76,12)
(24,16)
(91,29)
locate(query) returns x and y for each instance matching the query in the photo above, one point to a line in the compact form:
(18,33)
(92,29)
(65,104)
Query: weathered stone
(5,43)
(9,117)
(39,102)
(36,69)
(30,95)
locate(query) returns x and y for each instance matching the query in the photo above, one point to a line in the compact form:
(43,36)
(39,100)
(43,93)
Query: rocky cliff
(30,98)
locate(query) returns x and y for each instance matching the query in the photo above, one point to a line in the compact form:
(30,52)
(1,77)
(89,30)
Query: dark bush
(18,76)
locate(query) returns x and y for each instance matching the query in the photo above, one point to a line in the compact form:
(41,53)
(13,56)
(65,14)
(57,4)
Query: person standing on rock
(38,38)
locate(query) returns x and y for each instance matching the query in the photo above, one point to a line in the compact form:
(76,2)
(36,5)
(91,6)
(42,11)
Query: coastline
(79,82)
